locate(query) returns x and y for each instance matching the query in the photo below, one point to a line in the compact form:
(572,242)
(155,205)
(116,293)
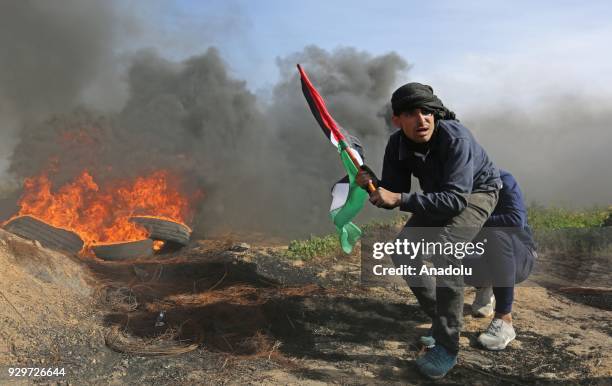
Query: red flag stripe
(319,110)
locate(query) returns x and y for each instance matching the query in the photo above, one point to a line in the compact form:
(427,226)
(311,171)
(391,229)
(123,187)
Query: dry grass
(117,298)
(165,344)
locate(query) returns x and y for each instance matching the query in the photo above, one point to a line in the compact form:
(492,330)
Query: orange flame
(101,214)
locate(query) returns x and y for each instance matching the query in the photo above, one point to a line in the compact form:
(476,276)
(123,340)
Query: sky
(532,79)
(521,60)
(469,49)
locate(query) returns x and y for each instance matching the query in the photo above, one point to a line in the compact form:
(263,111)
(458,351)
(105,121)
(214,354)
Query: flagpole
(330,124)
(370,188)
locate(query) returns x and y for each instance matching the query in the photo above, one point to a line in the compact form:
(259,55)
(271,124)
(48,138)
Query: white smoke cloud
(542,111)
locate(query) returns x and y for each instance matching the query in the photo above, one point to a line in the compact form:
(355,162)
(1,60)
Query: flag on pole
(347,197)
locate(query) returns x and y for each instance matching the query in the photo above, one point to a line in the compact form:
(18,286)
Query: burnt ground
(256,317)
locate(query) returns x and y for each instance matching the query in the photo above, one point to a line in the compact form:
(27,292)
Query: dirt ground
(251,316)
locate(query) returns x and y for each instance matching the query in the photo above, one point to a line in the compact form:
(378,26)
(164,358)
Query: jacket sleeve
(510,210)
(458,178)
(395,177)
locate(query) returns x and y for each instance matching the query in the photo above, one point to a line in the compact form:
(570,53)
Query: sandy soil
(236,317)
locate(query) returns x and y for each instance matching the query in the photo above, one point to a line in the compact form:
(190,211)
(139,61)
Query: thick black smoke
(51,52)
(264,170)
(356,87)
(559,151)
(263,165)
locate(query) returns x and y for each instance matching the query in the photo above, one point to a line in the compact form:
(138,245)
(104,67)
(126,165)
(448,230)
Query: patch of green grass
(328,245)
(541,217)
(314,246)
(570,231)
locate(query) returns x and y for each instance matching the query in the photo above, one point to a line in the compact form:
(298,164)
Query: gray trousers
(441,297)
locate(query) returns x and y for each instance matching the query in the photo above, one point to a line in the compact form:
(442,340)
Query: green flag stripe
(349,233)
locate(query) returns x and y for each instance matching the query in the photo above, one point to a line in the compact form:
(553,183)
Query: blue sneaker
(428,340)
(436,362)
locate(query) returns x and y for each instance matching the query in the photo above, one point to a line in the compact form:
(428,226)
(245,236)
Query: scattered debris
(599,297)
(117,298)
(159,322)
(240,247)
(235,326)
(162,345)
(586,290)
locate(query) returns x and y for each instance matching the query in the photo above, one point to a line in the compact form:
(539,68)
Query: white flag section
(340,193)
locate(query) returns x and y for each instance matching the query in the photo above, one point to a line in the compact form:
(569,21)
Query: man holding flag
(460,190)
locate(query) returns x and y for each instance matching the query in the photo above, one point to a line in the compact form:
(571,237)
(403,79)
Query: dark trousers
(507,261)
(441,297)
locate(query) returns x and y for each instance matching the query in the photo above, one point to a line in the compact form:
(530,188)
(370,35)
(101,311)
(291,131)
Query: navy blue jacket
(450,167)
(510,211)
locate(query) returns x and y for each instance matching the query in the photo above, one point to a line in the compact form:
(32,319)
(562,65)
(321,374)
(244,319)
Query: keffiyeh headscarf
(416,95)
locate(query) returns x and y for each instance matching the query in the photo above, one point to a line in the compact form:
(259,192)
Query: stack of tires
(174,235)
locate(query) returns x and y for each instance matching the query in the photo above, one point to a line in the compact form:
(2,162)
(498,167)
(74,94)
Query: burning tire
(49,236)
(124,251)
(165,230)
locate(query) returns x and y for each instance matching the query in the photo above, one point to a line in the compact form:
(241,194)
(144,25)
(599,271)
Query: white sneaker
(498,335)
(482,306)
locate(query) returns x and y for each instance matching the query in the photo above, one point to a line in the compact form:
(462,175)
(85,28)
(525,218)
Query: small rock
(240,247)
(298,263)
(548,376)
(37,243)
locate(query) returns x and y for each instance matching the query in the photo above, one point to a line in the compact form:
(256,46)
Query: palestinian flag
(347,197)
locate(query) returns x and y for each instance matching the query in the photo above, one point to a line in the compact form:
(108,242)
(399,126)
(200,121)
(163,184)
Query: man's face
(418,124)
